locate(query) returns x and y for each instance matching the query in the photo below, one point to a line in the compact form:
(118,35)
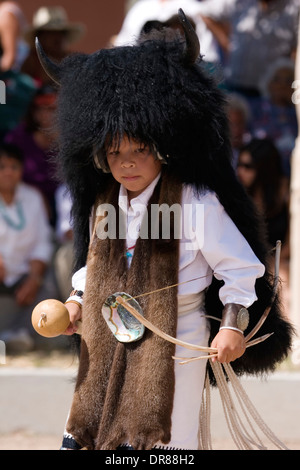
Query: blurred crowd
(249,46)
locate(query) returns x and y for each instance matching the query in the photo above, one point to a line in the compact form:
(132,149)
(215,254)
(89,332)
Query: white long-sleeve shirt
(210,245)
(32,242)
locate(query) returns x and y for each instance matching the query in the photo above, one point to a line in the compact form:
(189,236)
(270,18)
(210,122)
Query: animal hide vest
(124,392)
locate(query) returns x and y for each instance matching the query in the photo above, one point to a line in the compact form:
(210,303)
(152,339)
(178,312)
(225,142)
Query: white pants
(189,381)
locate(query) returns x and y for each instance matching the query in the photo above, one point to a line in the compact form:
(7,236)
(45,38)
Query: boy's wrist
(235,317)
(73,302)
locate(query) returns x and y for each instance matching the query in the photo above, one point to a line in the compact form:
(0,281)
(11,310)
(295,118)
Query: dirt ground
(22,440)
(60,358)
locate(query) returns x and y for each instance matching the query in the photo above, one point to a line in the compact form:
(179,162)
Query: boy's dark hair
(11,151)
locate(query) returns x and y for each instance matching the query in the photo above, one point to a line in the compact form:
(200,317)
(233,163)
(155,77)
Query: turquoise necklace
(128,251)
(11,223)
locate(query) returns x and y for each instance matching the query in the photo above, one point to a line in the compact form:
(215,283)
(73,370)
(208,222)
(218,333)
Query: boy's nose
(127,163)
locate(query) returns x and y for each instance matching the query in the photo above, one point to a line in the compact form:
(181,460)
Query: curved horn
(192,50)
(52,69)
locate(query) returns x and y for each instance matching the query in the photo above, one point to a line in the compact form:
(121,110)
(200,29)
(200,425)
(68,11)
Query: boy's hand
(230,345)
(75,315)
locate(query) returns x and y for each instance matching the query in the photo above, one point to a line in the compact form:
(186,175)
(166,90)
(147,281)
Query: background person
(13,49)
(56,33)
(25,250)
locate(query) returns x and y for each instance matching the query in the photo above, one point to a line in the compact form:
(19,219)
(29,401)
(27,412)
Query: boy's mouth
(130,178)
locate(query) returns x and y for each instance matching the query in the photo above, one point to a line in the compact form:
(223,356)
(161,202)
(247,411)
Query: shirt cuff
(76,298)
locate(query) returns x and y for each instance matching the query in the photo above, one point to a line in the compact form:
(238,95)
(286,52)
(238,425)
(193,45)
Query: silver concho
(124,326)
(242,319)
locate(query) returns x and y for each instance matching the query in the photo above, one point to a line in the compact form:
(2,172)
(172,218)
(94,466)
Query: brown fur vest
(124,392)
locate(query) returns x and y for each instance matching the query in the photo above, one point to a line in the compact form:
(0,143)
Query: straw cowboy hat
(54,19)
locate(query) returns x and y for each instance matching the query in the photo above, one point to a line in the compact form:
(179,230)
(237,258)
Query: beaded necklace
(128,251)
(11,223)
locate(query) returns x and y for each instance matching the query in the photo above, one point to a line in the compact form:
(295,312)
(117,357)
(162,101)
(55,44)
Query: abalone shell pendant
(124,326)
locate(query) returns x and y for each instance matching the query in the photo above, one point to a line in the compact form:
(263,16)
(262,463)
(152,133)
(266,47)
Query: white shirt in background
(33,242)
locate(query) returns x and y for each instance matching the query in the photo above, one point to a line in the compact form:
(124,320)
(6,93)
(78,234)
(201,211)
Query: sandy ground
(22,440)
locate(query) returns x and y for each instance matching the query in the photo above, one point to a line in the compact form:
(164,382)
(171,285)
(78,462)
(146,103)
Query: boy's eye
(140,149)
(114,152)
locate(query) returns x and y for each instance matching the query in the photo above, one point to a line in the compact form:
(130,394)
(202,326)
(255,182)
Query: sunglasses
(247,166)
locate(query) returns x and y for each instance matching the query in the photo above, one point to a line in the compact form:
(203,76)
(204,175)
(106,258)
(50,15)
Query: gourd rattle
(50,318)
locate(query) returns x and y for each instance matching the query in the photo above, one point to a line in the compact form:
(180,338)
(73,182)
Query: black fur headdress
(158,92)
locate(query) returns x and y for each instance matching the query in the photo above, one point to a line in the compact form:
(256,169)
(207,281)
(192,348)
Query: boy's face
(10,173)
(133,165)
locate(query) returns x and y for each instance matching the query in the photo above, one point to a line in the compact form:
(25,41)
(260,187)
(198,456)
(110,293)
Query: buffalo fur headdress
(158,92)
